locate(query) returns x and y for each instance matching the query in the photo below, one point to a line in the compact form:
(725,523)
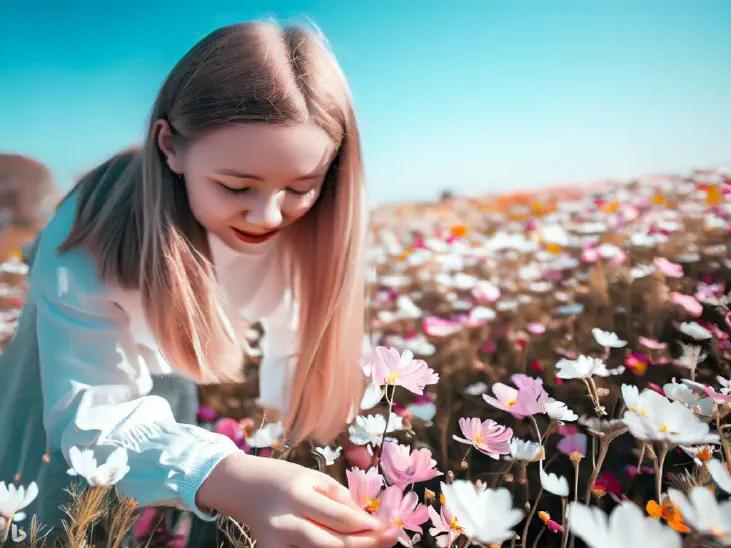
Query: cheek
(209,207)
(298,206)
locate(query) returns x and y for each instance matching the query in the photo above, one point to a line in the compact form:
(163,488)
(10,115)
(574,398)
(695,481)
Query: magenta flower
(717,397)
(392,368)
(231,429)
(400,467)
(206,414)
(574,443)
(365,488)
(444,522)
(671,270)
(487,437)
(689,303)
(530,397)
(404,510)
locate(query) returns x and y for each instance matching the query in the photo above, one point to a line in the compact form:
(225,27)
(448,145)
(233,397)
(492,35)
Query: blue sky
(479,96)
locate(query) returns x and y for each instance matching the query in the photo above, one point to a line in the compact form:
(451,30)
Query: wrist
(222,489)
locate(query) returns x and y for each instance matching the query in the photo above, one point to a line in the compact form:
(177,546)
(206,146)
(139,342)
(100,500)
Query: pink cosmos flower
(530,397)
(652,344)
(392,368)
(717,396)
(485,292)
(574,443)
(488,347)
(671,270)
(400,467)
(567,429)
(444,522)
(689,303)
(206,414)
(365,488)
(440,327)
(403,510)
(536,328)
(487,437)
(231,429)
(590,256)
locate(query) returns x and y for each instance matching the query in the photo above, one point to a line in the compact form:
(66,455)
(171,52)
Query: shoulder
(71,275)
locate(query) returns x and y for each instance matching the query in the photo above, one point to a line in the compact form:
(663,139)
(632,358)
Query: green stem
(603,449)
(524,538)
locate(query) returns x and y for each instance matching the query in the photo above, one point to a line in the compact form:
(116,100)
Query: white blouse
(96,355)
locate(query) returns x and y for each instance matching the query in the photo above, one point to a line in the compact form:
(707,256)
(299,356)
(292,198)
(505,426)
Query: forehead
(267,150)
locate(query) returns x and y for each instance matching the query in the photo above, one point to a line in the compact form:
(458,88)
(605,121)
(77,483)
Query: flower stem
(535,542)
(538,430)
(564,525)
(659,463)
(603,449)
(524,537)
(576,482)
(388,419)
(8,525)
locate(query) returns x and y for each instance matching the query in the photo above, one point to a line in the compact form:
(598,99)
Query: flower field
(544,369)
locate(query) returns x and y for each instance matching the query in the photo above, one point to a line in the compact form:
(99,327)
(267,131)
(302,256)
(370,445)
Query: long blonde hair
(135,217)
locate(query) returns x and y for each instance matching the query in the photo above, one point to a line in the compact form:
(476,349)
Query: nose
(265,214)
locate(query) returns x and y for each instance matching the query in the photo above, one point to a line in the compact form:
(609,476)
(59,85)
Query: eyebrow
(240,175)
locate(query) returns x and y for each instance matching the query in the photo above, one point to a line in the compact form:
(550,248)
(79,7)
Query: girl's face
(247,183)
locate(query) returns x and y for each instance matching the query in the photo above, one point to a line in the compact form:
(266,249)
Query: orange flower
(610,207)
(458,231)
(669,513)
(659,199)
(554,248)
(714,195)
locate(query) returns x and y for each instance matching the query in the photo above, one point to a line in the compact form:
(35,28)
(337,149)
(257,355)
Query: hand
(287,505)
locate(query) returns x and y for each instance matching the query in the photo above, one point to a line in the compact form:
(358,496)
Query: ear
(166,143)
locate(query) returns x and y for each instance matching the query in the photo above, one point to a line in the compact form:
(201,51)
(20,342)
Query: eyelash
(244,190)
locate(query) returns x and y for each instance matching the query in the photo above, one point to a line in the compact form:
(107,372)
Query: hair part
(134,215)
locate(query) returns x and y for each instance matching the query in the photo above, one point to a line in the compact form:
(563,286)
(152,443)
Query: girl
(245,204)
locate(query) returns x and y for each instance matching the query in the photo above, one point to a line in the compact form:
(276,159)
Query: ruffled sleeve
(95,382)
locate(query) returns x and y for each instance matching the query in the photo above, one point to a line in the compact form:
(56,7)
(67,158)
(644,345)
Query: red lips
(253,238)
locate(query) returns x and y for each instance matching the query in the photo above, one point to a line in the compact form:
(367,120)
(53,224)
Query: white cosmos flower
(407,308)
(692,355)
(267,436)
(13,499)
(702,512)
(627,527)
(330,455)
(657,418)
(641,271)
(527,451)
(685,395)
(369,429)
(476,389)
(372,395)
(84,464)
(696,331)
(607,339)
(559,411)
(486,515)
(482,313)
(720,474)
(558,485)
(581,368)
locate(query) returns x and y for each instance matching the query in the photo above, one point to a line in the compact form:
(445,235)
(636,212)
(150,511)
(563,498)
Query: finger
(336,491)
(307,534)
(337,516)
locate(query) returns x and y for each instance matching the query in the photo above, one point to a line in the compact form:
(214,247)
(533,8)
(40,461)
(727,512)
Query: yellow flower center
(704,455)
(456,526)
(478,439)
(511,403)
(372,505)
(398,522)
(545,516)
(392,378)
(442,500)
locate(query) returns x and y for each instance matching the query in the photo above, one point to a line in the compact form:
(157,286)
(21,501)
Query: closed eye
(234,191)
(298,192)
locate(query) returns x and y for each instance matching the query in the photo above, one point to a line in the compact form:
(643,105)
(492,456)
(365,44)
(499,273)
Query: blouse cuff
(190,482)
